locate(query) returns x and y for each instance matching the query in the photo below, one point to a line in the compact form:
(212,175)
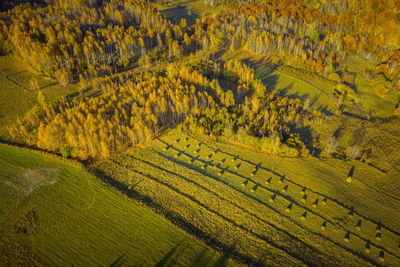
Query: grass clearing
(189,10)
(292,87)
(81,221)
(16,94)
(317,92)
(297,225)
(381,107)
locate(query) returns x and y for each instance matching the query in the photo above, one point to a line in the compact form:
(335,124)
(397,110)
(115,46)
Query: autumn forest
(306,89)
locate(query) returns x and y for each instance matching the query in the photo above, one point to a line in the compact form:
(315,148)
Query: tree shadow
(223,259)
(167,257)
(202,259)
(180,12)
(351,172)
(263,70)
(284,92)
(118,262)
(306,136)
(48,85)
(7,5)
(280,175)
(276,193)
(325,110)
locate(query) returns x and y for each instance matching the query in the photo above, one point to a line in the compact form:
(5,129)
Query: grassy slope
(380,107)
(82,222)
(227,197)
(285,84)
(16,95)
(292,87)
(319,93)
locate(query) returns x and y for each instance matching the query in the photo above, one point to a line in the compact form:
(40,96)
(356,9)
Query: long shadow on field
(167,257)
(174,218)
(180,12)
(298,185)
(308,250)
(223,261)
(202,259)
(118,262)
(351,172)
(276,193)
(216,213)
(284,215)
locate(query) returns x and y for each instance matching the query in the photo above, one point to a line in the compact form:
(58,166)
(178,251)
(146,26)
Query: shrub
(323,226)
(358,225)
(382,256)
(27,224)
(66,152)
(303,191)
(315,204)
(347,237)
(379,236)
(367,247)
(284,189)
(289,207)
(350,214)
(254,188)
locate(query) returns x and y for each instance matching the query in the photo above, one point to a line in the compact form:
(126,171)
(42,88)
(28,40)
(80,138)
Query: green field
(220,188)
(319,92)
(316,93)
(292,87)
(381,107)
(81,221)
(16,94)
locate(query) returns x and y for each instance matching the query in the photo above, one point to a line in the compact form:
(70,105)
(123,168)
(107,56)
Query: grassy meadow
(78,220)
(318,91)
(381,107)
(281,205)
(16,93)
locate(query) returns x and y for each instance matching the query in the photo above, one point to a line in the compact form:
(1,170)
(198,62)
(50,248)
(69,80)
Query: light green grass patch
(317,94)
(364,199)
(83,222)
(16,94)
(381,107)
